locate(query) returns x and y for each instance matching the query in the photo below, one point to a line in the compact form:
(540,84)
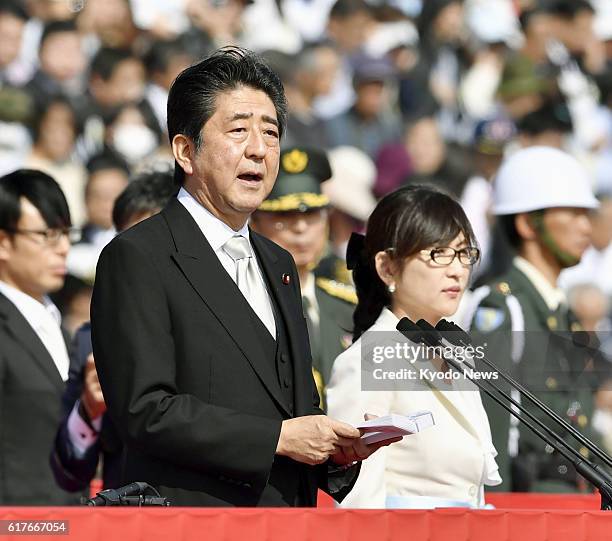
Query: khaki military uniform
(525,337)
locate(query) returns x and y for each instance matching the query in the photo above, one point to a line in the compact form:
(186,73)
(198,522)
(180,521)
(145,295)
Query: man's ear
(5,245)
(525,227)
(386,268)
(184,152)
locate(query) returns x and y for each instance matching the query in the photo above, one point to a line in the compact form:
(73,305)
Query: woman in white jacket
(415,262)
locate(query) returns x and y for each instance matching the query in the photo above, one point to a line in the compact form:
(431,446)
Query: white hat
(350,187)
(493,21)
(388,36)
(603,25)
(540,177)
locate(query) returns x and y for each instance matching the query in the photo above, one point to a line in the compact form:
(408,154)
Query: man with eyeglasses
(295,216)
(34,360)
(542,198)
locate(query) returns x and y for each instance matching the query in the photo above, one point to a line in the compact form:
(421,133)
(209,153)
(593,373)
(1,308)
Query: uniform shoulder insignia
(337,289)
(488,319)
(503,288)
(341,273)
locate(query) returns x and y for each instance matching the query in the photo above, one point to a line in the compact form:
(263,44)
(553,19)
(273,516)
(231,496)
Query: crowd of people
(388,105)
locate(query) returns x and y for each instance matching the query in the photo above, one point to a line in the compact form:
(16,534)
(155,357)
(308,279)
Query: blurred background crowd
(397,91)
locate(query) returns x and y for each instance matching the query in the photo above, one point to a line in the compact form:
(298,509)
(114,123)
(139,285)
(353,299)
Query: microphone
(457,336)
(137,493)
(596,475)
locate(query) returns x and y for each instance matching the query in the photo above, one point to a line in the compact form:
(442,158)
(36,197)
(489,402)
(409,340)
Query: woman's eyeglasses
(446,255)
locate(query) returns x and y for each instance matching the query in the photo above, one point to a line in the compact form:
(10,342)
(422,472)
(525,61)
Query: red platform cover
(157,524)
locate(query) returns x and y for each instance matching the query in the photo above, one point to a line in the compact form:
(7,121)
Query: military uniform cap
(298,185)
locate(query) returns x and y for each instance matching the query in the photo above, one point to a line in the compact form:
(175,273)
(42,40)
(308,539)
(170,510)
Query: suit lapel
(22,332)
(202,269)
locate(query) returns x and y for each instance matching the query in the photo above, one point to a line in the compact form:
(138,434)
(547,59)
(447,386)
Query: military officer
(542,198)
(295,216)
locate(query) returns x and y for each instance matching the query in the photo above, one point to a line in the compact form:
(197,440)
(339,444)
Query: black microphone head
(445,325)
(410,330)
(406,324)
(430,334)
(453,333)
(425,325)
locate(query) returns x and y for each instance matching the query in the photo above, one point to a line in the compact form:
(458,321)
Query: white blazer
(450,461)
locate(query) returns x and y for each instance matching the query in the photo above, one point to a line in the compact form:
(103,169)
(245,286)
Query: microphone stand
(464,340)
(137,494)
(597,476)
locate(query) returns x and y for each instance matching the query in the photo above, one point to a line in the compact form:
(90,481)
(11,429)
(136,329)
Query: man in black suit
(34,359)
(197,325)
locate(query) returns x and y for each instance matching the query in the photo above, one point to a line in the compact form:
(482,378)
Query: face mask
(134,141)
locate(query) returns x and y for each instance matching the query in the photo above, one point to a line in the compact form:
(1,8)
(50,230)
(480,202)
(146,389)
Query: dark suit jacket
(74,472)
(30,411)
(183,371)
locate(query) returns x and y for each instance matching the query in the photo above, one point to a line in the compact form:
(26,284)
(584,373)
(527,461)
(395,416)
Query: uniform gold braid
(293,201)
(337,289)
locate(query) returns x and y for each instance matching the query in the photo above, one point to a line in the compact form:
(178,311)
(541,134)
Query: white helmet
(537,178)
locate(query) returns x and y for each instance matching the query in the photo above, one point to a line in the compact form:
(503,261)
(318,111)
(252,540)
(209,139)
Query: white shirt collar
(30,308)
(217,233)
(308,288)
(553,296)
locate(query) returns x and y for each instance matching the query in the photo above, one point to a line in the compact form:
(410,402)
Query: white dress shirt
(217,233)
(45,319)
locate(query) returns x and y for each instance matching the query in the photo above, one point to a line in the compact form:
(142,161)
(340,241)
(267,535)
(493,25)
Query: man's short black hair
(106,61)
(107,159)
(568,9)
(161,53)
(347,8)
(528,13)
(39,189)
(43,107)
(146,192)
(192,97)
(56,27)
(15,8)
(552,116)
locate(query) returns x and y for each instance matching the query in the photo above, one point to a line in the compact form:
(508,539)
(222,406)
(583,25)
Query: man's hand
(314,438)
(358,450)
(92,397)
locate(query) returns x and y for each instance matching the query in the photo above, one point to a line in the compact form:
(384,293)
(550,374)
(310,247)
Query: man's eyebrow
(240,116)
(270,120)
(245,116)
